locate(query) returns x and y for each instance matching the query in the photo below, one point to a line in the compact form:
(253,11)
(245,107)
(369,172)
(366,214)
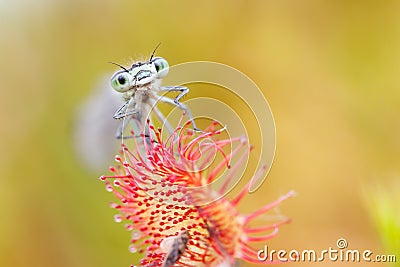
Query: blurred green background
(329,69)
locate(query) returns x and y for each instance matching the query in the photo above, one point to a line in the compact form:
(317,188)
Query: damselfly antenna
(122,67)
(152,54)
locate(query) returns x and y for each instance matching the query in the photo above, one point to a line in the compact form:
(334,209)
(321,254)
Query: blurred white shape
(95,128)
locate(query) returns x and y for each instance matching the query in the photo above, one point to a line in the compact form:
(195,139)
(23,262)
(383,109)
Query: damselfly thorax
(141,86)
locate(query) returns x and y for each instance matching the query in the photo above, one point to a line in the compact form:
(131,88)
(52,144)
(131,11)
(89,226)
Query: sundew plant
(165,196)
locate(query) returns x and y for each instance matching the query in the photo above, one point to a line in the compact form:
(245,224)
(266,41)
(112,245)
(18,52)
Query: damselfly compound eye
(162,67)
(120,82)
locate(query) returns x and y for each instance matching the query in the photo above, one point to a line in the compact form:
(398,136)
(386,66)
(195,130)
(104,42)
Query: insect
(141,86)
(174,246)
(228,260)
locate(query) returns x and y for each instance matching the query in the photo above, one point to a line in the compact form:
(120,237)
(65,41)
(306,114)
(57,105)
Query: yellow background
(329,69)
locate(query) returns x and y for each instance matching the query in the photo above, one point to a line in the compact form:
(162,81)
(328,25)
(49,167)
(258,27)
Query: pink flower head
(166,198)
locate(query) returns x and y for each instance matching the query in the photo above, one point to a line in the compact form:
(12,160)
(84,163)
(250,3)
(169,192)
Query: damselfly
(141,86)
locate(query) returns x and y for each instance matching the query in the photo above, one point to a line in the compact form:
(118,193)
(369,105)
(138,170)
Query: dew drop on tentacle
(117,218)
(132,248)
(129,227)
(109,188)
(136,235)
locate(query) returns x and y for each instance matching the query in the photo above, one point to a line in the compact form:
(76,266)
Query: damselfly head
(139,74)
